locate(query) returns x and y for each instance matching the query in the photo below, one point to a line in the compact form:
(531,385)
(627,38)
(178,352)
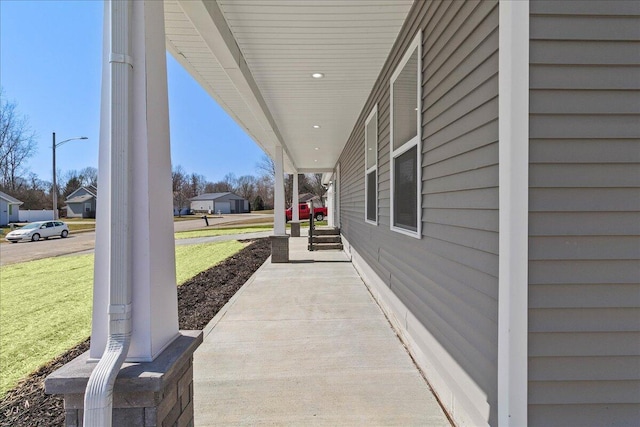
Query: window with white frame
(405,142)
(371,167)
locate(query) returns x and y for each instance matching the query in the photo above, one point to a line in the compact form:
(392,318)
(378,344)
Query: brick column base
(279,249)
(146,394)
(295,229)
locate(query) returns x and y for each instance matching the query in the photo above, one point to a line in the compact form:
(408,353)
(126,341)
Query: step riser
(326,246)
(326,232)
(327,239)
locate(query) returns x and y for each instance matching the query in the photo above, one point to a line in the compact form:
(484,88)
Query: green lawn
(77,227)
(210,232)
(45,305)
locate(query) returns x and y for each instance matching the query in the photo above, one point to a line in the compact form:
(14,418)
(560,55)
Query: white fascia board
(514,210)
(315,170)
(208,20)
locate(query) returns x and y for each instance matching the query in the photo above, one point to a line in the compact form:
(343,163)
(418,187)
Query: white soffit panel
(283,42)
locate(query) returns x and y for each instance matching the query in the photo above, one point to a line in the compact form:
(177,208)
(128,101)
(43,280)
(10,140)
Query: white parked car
(38,230)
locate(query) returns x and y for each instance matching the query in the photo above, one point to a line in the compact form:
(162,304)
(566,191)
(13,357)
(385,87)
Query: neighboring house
(82,202)
(308,197)
(9,209)
(224,203)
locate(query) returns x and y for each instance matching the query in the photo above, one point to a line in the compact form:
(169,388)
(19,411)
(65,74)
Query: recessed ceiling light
(316,126)
(316,161)
(317,75)
(316,148)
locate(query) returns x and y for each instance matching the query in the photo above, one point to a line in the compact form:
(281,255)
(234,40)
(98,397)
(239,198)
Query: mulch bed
(199,299)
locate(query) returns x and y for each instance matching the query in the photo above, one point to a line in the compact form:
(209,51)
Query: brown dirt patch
(199,299)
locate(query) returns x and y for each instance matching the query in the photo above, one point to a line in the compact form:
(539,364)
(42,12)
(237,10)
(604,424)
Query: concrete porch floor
(302,344)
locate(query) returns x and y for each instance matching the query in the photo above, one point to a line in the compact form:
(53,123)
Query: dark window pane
(405,181)
(371,196)
(405,103)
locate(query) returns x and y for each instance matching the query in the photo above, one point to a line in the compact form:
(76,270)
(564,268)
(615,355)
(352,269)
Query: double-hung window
(371,167)
(405,142)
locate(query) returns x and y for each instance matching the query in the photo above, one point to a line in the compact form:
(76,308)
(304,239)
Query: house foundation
(145,394)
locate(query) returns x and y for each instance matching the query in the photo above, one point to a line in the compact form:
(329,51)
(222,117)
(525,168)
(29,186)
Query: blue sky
(50,62)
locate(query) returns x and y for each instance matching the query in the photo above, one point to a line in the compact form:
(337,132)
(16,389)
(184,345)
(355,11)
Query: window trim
(372,115)
(416,141)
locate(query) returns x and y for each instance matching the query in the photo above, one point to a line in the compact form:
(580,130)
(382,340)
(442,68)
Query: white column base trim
(449,382)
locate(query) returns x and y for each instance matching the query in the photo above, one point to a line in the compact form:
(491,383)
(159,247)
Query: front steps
(325,239)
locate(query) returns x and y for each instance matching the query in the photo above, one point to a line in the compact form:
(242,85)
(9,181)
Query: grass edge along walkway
(45,305)
(212,232)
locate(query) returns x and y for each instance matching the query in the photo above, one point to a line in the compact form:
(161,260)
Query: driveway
(85,241)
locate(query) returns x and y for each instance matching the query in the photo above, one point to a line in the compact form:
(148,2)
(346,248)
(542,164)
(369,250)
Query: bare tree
(181,189)
(266,167)
(17,143)
(264,190)
(89,176)
(246,187)
(211,187)
(231,181)
(288,189)
(313,185)
(198,183)
(219,187)
(34,193)
(265,185)
(72,181)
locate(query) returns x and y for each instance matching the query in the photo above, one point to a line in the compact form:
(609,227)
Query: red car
(303,211)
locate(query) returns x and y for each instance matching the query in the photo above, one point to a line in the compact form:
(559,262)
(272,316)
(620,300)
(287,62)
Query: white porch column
(150,228)
(295,214)
(330,206)
(278,195)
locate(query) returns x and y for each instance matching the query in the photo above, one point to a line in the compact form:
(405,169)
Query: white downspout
(98,398)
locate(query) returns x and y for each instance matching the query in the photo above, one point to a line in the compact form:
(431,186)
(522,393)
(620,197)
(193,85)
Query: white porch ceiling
(256,57)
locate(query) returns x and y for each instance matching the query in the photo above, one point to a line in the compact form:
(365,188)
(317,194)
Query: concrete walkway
(303,344)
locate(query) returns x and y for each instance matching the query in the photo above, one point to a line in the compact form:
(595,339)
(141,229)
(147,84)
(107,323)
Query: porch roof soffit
(256,58)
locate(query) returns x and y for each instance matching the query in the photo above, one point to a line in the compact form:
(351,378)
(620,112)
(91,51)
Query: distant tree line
(18,144)
(258,189)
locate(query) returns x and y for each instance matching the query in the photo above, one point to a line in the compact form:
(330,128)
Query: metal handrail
(311,225)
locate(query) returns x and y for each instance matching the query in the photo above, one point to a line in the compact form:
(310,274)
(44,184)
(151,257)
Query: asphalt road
(85,241)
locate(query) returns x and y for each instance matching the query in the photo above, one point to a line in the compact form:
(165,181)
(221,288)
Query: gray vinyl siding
(449,277)
(584,220)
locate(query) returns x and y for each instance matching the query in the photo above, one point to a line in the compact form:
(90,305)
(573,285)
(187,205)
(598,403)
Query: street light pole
(54,189)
